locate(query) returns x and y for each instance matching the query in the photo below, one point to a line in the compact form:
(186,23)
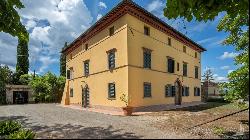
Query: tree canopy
(10,20)
(235,21)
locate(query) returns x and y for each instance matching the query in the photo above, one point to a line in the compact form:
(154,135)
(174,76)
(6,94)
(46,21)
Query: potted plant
(127,110)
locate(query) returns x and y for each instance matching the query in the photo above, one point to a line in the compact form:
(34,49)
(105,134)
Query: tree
(47,88)
(63,62)
(22,66)
(235,21)
(207,78)
(10,20)
(5,78)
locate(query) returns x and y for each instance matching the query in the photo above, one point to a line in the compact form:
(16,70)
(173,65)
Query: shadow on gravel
(70,131)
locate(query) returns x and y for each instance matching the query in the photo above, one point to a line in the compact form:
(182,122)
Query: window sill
(147,97)
(111,98)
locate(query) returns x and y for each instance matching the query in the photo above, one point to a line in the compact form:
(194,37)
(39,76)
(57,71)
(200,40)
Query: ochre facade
(129,74)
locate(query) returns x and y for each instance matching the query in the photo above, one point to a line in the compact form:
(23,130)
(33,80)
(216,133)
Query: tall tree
(10,20)
(235,21)
(207,77)
(22,66)
(63,62)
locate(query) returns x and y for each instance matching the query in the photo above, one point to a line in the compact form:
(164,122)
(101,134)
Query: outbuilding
(19,94)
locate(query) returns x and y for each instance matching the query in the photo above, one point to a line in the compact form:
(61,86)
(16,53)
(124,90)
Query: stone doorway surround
(11,88)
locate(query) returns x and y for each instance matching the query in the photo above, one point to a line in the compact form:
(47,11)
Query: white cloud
(30,24)
(206,40)
(98,16)
(63,21)
(228,55)
(218,78)
(155,5)
(224,67)
(102,5)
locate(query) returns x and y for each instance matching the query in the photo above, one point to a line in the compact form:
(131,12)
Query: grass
(218,130)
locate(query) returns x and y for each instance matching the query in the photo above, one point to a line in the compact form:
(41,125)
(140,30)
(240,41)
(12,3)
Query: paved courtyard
(53,121)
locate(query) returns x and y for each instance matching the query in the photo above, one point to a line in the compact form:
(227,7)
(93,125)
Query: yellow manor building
(130,51)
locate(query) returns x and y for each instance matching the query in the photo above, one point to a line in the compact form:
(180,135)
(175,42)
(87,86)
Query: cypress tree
(22,66)
(63,62)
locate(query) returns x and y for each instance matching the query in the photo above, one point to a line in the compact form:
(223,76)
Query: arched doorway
(178,92)
(85,96)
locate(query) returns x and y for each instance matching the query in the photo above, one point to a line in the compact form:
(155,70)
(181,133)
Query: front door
(178,92)
(85,97)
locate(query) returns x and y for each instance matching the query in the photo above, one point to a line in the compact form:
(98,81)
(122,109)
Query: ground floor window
(71,92)
(196,91)
(111,90)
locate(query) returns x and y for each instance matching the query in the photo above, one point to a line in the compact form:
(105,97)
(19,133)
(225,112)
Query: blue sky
(52,22)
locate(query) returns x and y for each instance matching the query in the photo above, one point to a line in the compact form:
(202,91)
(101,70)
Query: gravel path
(52,121)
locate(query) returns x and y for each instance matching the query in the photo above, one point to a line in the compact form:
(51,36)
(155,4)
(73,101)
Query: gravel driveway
(53,121)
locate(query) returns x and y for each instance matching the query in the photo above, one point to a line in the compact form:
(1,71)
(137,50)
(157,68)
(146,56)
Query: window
(86,47)
(86,67)
(196,91)
(184,49)
(111,31)
(111,60)
(184,69)
(71,92)
(170,65)
(196,69)
(195,54)
(70,56)
(146,31)
(111,92)
(147,89)
(68,74)
(178,66)
(173,90)
(185,91)
(169,91)
(147,59)
(169,41)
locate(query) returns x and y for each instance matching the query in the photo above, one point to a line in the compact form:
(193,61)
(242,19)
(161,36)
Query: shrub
(22,134)
(8,127)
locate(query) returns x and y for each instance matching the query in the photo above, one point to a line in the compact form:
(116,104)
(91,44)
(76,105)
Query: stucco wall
(157,75)
(100,76)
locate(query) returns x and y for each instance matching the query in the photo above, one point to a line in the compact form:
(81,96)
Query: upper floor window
(71,92)
(86,67)
(146,31)
(196,69)
(170,65)
(195,55)
(70,56)
(86,47)
(196,91)
(184,69)
(111,90)
(178,66)
(184,49)
(147,58)
(111,58)
(169,41)
(111,31)
(70,73)
(185,91)
(147,89)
